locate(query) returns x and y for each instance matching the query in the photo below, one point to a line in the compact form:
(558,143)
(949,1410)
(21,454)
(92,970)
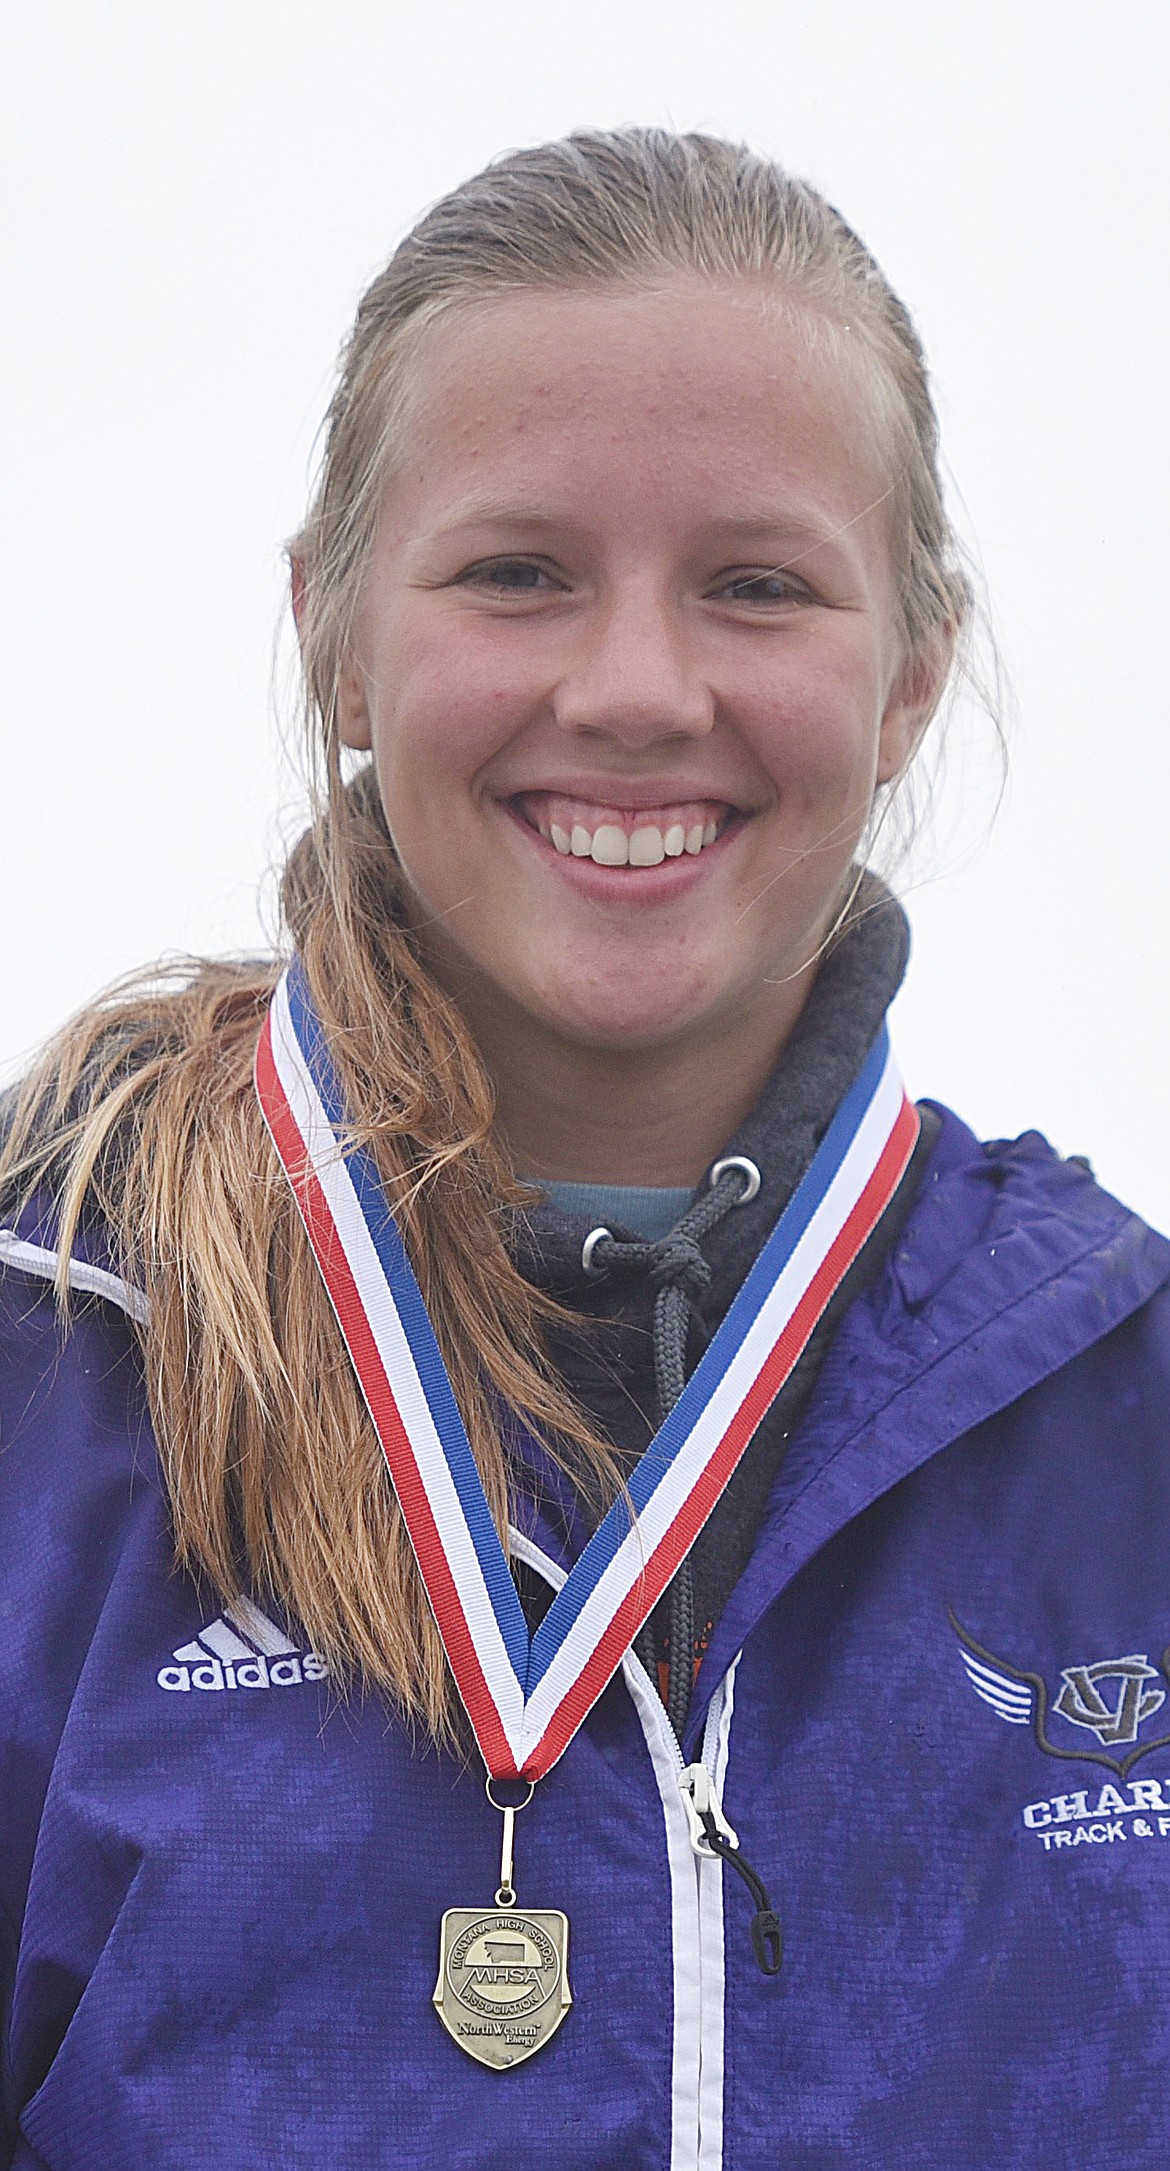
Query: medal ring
(515,1807)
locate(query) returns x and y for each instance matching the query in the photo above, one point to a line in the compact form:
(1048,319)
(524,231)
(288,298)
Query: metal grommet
(746,1168)
(590,1245)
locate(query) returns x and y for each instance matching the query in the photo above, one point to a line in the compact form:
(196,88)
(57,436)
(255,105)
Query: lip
(634,795)
(641,886)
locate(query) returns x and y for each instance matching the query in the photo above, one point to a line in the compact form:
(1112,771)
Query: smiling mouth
(624,836)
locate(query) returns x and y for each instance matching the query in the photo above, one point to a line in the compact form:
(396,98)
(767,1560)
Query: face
(628,657)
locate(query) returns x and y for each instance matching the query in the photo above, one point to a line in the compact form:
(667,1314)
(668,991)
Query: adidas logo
(242,1650)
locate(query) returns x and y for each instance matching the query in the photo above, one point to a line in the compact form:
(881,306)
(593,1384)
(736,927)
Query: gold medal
(503,1986)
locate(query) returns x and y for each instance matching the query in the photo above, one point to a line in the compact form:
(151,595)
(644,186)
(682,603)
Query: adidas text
(251,1673)
(243,1649)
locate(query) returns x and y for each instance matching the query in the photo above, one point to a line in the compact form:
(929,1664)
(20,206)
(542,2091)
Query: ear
(353,709)
(913,698)
(353,716)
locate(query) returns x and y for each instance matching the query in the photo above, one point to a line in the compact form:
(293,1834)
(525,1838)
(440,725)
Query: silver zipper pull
(704,1810)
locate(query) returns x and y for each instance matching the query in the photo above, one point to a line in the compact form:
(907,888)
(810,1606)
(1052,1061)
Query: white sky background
(194,198)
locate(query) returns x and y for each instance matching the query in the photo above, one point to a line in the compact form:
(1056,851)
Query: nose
(634,677)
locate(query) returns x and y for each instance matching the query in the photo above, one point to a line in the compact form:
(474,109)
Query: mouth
(633,837)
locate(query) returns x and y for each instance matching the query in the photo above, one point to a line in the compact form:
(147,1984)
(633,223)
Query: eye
(773,588)
(509,577)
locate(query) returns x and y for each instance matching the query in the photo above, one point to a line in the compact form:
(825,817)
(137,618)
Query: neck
(658,1115)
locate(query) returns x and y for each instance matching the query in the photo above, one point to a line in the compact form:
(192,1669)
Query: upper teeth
(610,846)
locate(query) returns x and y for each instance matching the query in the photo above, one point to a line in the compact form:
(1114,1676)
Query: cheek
(445,715)
(433,741)
(427,744)
(816,730)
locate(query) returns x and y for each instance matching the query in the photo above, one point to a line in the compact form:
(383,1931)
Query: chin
(633,1002)
(626,1025)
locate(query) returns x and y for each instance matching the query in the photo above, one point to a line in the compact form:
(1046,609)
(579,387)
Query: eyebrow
(801,529)
(500,513)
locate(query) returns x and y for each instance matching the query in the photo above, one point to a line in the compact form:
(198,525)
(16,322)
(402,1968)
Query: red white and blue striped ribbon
(526,1695)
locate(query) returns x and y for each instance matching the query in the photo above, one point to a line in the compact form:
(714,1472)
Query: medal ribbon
(526,1695)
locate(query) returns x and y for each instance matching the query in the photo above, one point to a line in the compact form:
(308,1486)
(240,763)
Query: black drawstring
(767,1938)
(679,1273)
(680,1672)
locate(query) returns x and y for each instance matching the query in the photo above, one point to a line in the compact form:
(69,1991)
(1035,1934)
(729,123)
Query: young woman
(581,1583)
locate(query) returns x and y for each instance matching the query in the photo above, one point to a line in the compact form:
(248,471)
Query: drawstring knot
(678,1273)
(680,1265)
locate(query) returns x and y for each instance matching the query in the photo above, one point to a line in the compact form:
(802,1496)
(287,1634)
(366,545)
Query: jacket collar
(855,985)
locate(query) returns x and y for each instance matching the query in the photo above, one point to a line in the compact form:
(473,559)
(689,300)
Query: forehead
(720,391)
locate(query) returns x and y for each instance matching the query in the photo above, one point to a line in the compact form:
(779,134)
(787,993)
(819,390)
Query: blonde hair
(143,1112)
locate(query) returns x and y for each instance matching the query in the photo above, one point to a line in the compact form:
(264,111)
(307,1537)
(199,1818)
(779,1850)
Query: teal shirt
(649,1209)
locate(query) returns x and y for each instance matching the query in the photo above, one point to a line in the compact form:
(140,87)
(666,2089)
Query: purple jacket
(937,1702)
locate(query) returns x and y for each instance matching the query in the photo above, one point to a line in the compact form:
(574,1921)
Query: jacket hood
(1012,1263)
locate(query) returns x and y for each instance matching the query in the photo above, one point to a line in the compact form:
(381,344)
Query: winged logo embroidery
(1021,1699)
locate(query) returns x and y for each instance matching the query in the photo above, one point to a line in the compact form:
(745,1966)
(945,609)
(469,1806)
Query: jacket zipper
(697,1902)
(696,1899)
